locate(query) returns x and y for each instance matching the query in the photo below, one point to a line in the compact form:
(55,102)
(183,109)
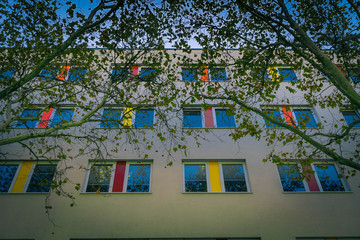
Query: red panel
(119,177)
(205,74)
(288,116)
(135,70)
(63,73)
(45,118)
(209,121)
(313,186)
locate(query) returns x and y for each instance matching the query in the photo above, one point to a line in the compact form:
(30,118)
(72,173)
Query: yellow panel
(214,177)
(22,176)
(128,117)
(274,74)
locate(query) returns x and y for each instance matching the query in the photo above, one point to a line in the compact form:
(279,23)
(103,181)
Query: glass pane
(350,117)
(49,73)
(41,178)
(260,74)
(144,118)
(30,114)
(290,178)
(195,178)
(189,74)
(99,178)
(120,74)
(305,118)
(354,75)
(218,74)
(274,114)
(138,178)
(114,114)
(147,74)
(6,74)
(223,119)
(77,74)
(328,177)
(7,173)
(62,116)
(287,74)
(192,119)
(234,178)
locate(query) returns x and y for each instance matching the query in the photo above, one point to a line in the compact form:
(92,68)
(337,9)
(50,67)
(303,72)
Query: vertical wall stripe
(274,74)
(22,176)
(215,183)
(205,74)
(119,176)
(313,186)
(288,116)
(63,73)
(45,118)
(128,117)
(209,121)
(135,70)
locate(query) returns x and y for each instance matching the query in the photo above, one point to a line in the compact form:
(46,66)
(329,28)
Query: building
(220,190)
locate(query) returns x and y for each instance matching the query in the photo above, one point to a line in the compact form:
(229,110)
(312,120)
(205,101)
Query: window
(6,74)
(260,74)
(215,176)
(77,73)
(287,74)
(62,115)
(119,176)
(50,73)
(218,74)
(189,74)
(7,175)
(295,116)
(29,118)
(116,118)
(350,117)
(111,114)
(354,75)
(209,118)
(144,118)
(325,178)
(148,74)
(119,73)
(41,178)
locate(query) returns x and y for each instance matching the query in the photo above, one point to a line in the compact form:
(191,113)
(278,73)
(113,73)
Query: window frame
(357,113)
(217,67)
(126,178)
(222,180)
(207,175)
(111,108)
(68,74)
(19,164)
(28,180)
(202,115)
(135,112)
(87,176)
(141,68)
(215,119)
(306,186)
(287,67)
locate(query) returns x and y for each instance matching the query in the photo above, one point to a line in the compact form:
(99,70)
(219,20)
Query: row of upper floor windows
(196,117)
(145,73)
(199,176)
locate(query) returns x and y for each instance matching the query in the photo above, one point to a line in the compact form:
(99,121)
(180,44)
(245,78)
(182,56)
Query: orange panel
(63,73)
(205,74)
(288,116)
(45,118)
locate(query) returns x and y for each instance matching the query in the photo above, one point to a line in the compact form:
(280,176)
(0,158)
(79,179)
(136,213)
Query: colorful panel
(215,182)
(63,73)
(45,118)
(205,74)
(135,70)
(128,117)
(274,74)
(288,116)
(209,121)
(310,179)
(119,177)
(22,176)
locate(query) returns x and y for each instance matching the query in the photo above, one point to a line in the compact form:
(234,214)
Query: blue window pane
(6,74)
(119,74)
(41,178)
(274,114)
(144,118)
(49,73)
(195,178)
(350,117)
(218,74)
(28,114)
(111,114)
(62,116)
(223,119)
(138,178)
(192,118)
(305,118)
(354,75)
(234,178)
(7,173)
(189,74)
(291,180)
(287,74)
(99,178)
(147,74)
(260,74)
(77,74)
(329,178)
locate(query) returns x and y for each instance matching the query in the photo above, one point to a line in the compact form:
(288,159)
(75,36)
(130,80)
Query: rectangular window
(29,118)
(260,74)
(224,119)
(192,118)
(77,73)
(318,177)
(144,118)
(209,118)
(354,75)
(41,178)
(50,73)
(305,118)
(6,74)
(218,74)
(148,74)
(120,73)
(350,117)
(7,176)
(62,115)
(215,176)
(111,118)
(287,74)
(120,176)
(39,118)
(274,113)
(189,74)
